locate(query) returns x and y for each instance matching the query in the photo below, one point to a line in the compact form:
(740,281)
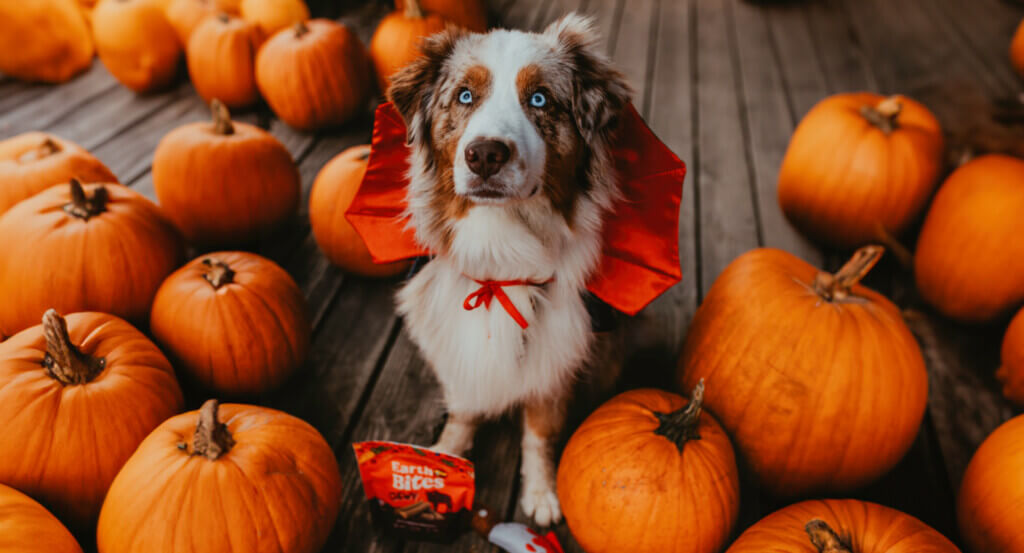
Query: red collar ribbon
(490,289)
(640,255)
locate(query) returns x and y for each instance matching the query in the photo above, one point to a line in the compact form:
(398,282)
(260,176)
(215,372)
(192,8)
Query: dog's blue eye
(538,100)
(465,97)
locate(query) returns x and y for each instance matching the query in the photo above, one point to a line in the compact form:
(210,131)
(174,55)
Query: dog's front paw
(541,504)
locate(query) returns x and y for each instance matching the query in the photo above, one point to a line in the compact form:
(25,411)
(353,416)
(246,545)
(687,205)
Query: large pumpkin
(43,40)
(273,15)
(34,161)
(396,42)
(650,472)
(992,491)
(333,190)
(77,396)
(27,527)
(225,182)
(1017,49)
(186,15)
(222,60)
(969,262)
(859,165)
(314,74)
(816,378)
(841,526)
(469,14)
(261,481)
(136,43)
(233,321)
(1011,372)
(97,247)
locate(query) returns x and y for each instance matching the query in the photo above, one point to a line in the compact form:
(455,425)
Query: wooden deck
(723,82)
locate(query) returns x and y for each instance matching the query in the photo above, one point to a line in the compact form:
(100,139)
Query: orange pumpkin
(650,472)
(233,321)
(396,42)
(333,190)
(98,247)
(136,43)
(816,378)
(186,15)
(222,60)
(1011,372)
(992,491)
(77,396)
(34,161)
(315,74)
(860,165)
(1017,49)
(469,14)
(969,262)
(841,526)
(43,40)
(261,481)
(273,15)
(225,182)
(26,527)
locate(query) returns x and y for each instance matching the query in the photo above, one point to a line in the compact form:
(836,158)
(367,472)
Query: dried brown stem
(885,114)
(212,438)
(825,538)
(218,273)
(836,287)
(680,426)
(64,361)
(83,206)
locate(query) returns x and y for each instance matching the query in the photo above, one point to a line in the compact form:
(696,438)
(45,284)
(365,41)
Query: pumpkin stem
(46,149)
(884,114)
(413,9)
(218,273)
(365,154)
(680,426)
(893,244)
(212,438)
(221,118)
(825,538)
(300,29)
(84,207)
(223,17)
(64,361)
(836,287)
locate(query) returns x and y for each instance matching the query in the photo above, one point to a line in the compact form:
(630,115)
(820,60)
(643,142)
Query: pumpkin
(333,190)
(228,477)
(969,262)
(469,14)
(1017,49)
(396,42)
(34,161)
(43,40)
(273,15)
(186,15)
(314,74)
(650,472)
(97,247)
(222,60)
(136,43)
(77,396)
(233,321)
(860,165)
(841,526)
(991,492)
(816,378)
(1011,372)
(225,182)
(27,527)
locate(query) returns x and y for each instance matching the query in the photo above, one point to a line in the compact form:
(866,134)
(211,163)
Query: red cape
(640,257)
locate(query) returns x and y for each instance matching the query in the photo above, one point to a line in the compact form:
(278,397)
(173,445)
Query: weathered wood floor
(723,82)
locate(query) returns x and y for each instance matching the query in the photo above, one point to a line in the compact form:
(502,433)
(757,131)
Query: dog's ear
(413,87)
(599,90)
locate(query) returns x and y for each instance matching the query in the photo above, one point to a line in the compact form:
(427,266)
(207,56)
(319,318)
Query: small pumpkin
(333,190)
(201,473)
(991,492)
(222,60)
(273,15)
(1011,372)
(44,40)
(314,74)
(650,472)
(186,15)
(816,378)
(1017,49)
(77,396)
(233,321)
(34,161)
(225,182)
(969,262)
(859,166)
(27,527)
(469,14)
(841,526)
(396,42)
(136,43)
(95,247)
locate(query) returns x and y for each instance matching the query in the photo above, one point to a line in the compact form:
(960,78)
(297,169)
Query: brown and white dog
(510,177)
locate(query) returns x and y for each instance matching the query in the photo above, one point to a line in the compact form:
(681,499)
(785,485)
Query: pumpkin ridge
(275,316)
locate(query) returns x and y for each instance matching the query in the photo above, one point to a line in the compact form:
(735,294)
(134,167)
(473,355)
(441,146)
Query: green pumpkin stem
(218,273)
(885,114)
(83,206)
(680,426)
(221,118)
(836,287)
(63,361)
(413,9)
(212,438)
(824,538)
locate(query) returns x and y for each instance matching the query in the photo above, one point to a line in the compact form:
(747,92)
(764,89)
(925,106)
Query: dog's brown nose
(486,157)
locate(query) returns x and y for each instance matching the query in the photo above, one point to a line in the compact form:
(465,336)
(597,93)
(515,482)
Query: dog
(511,174)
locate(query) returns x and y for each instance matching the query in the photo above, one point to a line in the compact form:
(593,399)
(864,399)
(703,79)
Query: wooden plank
(842,58)
(984,28)
(49,104)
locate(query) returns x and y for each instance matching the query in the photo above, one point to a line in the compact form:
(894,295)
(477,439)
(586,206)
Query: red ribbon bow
(490,289)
